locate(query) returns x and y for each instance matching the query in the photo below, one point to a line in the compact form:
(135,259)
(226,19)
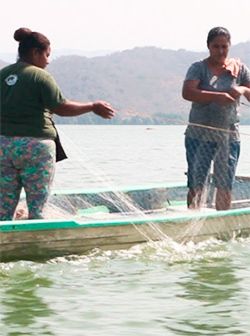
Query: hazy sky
(123,24)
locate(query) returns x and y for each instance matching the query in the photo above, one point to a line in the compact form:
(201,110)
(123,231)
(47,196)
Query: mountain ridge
(143,84)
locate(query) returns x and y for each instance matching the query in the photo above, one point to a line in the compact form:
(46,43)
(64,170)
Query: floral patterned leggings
(29,163)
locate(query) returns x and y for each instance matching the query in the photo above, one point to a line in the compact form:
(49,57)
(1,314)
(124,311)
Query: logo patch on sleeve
(11,80)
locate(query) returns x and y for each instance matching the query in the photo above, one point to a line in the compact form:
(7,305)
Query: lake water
(148,290)
(128,155)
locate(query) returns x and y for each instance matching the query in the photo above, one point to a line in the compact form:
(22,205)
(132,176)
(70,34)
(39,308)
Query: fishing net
(107,204)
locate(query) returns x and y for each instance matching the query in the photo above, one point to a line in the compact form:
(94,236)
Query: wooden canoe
(109,220)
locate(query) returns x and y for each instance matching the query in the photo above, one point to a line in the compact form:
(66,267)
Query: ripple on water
(159,288)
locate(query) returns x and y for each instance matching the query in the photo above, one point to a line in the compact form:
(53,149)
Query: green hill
(143,84)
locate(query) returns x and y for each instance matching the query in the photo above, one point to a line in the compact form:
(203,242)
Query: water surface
(149,290)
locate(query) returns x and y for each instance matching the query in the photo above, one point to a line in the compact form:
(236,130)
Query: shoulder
(39,73)
(245,74)
(198,65)
(196,70)
(238,64)
(7,68)
(40,76)
(243,71)
(244,67)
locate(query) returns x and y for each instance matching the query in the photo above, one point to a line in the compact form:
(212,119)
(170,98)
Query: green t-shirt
(28,93)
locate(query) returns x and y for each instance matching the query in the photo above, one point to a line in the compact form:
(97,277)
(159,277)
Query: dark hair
(216,31)
(28,39)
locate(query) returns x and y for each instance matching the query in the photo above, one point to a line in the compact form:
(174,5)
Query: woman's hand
(237,91)
(223,98)
(103,109)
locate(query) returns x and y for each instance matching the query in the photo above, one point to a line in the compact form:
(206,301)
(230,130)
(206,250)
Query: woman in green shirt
(29,98)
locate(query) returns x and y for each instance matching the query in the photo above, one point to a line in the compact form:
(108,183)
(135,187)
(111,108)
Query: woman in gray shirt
(214,86)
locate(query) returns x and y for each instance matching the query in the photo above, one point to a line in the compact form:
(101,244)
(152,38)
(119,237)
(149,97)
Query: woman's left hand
(237,91)
(103,109)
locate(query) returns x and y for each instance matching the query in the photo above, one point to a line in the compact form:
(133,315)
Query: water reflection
(22,308)
(212,288)
(211,283)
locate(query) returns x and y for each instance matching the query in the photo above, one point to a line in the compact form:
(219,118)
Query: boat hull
(157,219)
(67,238)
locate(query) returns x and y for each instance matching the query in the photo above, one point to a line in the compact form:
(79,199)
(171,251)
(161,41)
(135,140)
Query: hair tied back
(21,34)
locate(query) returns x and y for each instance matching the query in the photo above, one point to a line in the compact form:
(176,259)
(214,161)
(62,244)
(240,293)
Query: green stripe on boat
(36,225)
